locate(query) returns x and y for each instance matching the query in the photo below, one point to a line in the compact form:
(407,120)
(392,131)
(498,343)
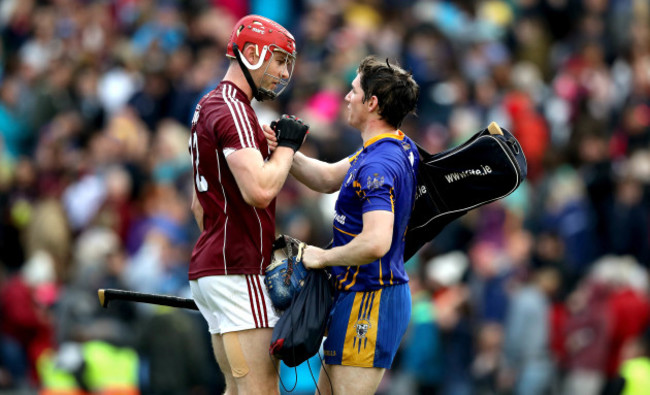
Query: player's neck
(235,75)
(374,128)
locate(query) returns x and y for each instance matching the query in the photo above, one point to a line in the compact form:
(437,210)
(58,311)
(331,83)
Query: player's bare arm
(259,181)
(318,175)
(372,243)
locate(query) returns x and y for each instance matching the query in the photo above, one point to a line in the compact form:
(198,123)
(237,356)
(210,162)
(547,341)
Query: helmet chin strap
(259,94)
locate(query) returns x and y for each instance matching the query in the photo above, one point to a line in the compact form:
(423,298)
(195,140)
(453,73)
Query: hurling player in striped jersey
(236,180)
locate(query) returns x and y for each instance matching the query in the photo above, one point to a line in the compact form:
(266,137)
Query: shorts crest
(361,327)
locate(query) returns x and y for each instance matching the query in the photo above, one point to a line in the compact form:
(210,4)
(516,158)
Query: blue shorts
(366,327)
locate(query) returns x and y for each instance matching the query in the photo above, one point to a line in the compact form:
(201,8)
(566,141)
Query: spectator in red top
(535,140)
(628,309)
(630,312)
(587,333)
(25,299)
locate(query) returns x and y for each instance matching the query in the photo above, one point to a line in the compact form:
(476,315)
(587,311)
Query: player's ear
(372,104)
(250,53)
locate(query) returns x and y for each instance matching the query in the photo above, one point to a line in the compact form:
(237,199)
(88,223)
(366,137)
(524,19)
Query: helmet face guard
(270,40)
(269,85)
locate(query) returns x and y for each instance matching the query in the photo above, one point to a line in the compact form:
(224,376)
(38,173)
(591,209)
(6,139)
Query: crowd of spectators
(545,291)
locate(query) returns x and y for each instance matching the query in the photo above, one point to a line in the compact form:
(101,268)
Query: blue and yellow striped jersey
(382,176)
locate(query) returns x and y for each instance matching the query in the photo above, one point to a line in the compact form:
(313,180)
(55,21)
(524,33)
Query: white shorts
(234,302)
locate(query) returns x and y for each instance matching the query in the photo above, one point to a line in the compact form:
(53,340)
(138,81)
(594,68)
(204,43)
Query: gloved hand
(290,131)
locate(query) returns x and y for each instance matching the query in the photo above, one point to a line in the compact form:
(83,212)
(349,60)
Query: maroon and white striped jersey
(237,237)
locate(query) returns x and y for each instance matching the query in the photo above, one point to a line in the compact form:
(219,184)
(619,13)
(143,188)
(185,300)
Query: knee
(257,384)
(231,390)
(231,384)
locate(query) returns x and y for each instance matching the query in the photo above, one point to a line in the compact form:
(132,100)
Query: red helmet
(263,32)
(269,39)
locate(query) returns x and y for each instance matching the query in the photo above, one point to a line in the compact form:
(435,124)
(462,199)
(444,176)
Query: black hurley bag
(298,334)
(487,167)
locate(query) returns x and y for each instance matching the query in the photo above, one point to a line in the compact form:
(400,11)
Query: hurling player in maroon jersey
(236,180)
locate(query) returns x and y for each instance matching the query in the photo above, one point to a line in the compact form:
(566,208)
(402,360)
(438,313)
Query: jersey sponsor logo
(340,218)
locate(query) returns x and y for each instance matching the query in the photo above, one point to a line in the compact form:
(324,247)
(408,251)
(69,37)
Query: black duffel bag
(298,334)
(487,167)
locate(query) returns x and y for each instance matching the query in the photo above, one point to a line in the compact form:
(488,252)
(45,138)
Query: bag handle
(494,128)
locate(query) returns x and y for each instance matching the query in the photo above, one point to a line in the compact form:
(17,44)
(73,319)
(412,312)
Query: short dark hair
(396,90)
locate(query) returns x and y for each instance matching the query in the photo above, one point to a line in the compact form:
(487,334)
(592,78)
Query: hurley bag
(487,167)
(303,297)
(298,334)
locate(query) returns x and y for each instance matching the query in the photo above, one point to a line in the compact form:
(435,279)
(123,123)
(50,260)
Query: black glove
(290,131)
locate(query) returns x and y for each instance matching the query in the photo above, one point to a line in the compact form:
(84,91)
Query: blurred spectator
(100,263)
(485,367)
(91,367)
(27,328)
(420,357)
(635,369)
(151,102)
(454,320)
(188,87)
(629,308)
(528,367)
(628,221)
(174,356)
(489,280)
(163,31)
(14,132)
(566,213)
(587,336)
(53,95)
